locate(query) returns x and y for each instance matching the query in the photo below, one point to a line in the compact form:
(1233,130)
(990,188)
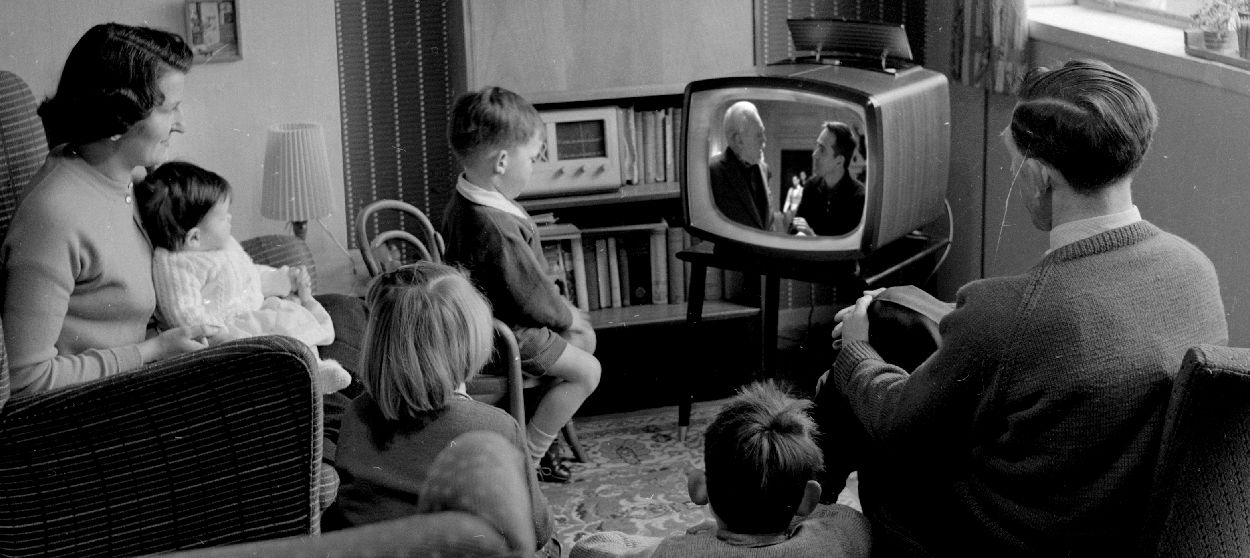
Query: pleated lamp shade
(296,185)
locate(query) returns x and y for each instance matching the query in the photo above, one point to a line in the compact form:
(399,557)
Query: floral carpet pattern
(635,480)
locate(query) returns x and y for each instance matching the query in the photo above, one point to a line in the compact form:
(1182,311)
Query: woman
(76,266)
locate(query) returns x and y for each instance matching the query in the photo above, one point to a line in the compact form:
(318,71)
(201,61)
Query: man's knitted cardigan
(1045,403)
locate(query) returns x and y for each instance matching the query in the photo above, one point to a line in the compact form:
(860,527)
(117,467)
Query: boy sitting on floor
(762,461)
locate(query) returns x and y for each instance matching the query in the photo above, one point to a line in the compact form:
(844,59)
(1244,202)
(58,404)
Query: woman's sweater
(77,279)
(1047,396)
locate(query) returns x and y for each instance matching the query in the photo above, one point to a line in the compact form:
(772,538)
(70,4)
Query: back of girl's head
(110,82)
(1090,121)
(759,453)
(429,330)
(490,118)
(174,197)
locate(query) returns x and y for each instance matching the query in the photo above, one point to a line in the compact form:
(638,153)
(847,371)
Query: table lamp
(296,185)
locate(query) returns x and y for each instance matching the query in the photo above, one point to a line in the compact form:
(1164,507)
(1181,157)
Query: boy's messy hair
(490,118)
(429,330)
(760,451)
(173,199)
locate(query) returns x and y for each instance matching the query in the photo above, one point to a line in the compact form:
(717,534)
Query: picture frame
(213,30)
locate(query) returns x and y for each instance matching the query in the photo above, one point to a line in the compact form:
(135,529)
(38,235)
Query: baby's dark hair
(760,451)
(174,198)
(492,117)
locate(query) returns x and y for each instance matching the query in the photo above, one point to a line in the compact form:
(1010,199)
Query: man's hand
(853,320)
(801,228)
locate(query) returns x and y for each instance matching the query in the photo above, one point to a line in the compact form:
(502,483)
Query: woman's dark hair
(1091,122)
(110,82)
(174,198)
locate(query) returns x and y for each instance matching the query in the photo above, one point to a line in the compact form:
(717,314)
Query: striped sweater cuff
(852,353)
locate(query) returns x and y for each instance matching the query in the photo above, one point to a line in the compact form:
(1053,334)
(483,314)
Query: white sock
(538,442)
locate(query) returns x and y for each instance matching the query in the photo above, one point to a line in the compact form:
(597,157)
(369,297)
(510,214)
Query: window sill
(1116,38)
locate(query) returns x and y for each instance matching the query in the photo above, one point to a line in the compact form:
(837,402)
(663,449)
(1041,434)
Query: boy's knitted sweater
(1046,399)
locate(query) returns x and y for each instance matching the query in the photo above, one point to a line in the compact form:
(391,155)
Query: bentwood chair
(388,249)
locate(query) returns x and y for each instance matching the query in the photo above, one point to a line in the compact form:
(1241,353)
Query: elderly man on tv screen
(739,175)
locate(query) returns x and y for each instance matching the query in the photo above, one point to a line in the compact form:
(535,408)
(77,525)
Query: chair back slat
(378,250)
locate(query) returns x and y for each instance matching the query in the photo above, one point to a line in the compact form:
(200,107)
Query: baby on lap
(202,275)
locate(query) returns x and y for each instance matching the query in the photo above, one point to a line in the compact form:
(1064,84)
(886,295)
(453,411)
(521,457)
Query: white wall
(289,73)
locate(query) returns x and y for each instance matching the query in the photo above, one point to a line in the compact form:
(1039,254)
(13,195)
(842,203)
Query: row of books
(648,143)
(617,267)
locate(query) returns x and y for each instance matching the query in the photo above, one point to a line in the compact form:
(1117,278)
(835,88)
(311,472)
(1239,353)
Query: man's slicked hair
(1091,122)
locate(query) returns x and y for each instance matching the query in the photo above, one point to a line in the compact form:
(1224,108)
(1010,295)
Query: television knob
(580,171)
(602,169)
(559,172)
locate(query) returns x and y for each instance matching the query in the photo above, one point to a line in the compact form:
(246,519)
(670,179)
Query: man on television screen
(833,200)
(739,175)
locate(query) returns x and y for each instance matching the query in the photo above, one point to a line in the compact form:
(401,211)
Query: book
(676,271)
(669,148)
(713,289)
(555,266)
(657,144)
(624,122)
(659,266)
(622,265)
(578,257)
(614,279)
(601,257)
(591,266)
(640,125)
(638,250)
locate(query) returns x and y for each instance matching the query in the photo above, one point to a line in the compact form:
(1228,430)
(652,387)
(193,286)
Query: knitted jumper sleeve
(179,286)
(934,404)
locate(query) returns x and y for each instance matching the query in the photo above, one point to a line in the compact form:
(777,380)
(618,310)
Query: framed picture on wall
(213,30)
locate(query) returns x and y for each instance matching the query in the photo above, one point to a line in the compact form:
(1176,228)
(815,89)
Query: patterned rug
(635,480)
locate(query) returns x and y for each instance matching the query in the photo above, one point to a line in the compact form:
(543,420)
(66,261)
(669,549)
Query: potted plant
(1218,21)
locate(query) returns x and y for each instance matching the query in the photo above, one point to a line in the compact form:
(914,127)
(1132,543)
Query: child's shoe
(551,467)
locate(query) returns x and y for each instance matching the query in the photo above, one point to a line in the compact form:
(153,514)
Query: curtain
(395,92)
(989,40)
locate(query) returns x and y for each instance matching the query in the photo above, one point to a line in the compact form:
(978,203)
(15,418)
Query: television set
(901,114)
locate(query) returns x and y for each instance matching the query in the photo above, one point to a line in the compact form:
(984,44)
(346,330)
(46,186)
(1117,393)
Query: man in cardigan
(1034,427)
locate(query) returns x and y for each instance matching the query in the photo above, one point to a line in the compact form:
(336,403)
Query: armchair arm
(216,447)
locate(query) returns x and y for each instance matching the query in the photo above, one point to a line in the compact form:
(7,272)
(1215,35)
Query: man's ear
(696,485)
(811,497)
(192,240)
(500,161)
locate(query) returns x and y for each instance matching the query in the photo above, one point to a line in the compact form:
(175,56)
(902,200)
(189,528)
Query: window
(1170,12)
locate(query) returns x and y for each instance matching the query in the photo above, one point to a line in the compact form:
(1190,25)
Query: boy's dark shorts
(540,349)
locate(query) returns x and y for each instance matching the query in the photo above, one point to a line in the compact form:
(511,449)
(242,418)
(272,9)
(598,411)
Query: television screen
(855,157)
